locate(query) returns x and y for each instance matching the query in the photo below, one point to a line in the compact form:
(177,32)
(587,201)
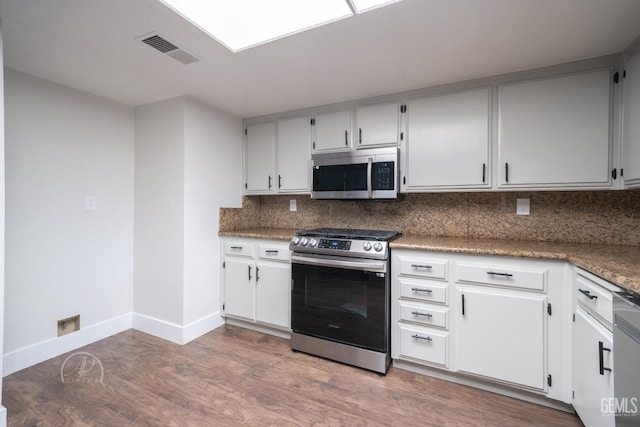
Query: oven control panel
(341,245)
(344,247)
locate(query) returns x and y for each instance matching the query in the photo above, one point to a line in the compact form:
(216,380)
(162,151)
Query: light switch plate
(523,207)
(90,203)
(293,205)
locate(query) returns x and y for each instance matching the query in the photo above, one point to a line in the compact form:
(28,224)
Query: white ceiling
(91,45)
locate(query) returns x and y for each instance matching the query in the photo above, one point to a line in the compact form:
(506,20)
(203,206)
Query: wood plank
(234,376)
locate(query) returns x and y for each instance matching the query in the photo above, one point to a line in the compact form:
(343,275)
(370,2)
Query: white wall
(62,260)
(3,412)
(159,212)
(188,159)
(213,176)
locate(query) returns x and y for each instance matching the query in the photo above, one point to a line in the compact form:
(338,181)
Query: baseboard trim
(201,326)
(175,333)
(3,416)
(158,328)
(45,350)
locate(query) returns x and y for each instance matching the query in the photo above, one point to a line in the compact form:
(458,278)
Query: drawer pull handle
(417,313)
(427,267)
(236,248)
(601,350)
(271,251)
(421,290)
(418,337)
(494,273)
(587,294)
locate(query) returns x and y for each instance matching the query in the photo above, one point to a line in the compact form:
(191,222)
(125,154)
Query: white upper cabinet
(631,133)
(378,124)
(448,139)
(332,131)
(555,132)
(293,154)
(278,156)
(260,157)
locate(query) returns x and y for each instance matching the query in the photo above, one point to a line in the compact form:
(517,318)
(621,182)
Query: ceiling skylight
(364,5)
(241,24)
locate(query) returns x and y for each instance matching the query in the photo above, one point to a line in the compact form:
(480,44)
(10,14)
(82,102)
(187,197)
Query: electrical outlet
(523,207)
(293,205)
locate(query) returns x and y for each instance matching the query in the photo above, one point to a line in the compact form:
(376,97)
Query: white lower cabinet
(592,349)
(484,320)
(257,282)
(591,369)
(501,335)
(273,293)
(239,290)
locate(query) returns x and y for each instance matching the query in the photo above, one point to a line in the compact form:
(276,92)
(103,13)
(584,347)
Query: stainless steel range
(340,301)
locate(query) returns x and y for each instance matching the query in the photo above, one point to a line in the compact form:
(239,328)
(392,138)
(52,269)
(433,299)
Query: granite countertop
(262,233)
(618,264)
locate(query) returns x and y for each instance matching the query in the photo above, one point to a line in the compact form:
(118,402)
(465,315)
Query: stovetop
(351,233)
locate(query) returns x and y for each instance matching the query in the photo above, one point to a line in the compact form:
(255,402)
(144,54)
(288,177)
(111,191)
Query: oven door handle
(362,265)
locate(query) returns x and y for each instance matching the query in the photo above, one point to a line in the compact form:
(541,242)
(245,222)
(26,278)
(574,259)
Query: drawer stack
(422,315)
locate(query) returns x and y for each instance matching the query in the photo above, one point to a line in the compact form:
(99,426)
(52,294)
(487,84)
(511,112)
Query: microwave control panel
(383,176)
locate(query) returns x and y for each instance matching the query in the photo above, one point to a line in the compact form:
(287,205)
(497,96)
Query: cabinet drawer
(423,290)
(502,275)
(275,252)
(424,267)
(239,248)
(426,315)
(424,345)
(594,298)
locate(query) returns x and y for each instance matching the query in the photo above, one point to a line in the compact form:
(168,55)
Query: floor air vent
(165,46)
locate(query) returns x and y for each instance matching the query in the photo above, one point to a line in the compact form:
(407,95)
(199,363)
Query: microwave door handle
(369,171)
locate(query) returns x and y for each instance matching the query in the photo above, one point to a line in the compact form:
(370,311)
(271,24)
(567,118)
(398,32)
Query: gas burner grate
(351,233)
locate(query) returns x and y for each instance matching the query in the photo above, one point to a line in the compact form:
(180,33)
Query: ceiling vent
(163,45)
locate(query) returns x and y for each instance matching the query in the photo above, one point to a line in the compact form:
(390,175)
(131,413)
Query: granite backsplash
(606,217)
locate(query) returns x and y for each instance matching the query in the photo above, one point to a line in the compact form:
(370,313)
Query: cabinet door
(378,124)
(590,384)
(260,157)
(293,154)
(501,335)
(239,295)
(273,293)
(448,141)
(556,132)
(332,131)
(631,147)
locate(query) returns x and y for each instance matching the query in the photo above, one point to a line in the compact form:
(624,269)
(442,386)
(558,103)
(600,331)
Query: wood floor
(234,377)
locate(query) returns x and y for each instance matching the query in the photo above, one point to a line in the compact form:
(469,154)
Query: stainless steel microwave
(361,174)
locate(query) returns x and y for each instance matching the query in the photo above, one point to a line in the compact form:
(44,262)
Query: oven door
(341,299)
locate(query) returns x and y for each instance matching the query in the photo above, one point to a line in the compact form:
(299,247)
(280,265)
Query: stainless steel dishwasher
(626,358)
